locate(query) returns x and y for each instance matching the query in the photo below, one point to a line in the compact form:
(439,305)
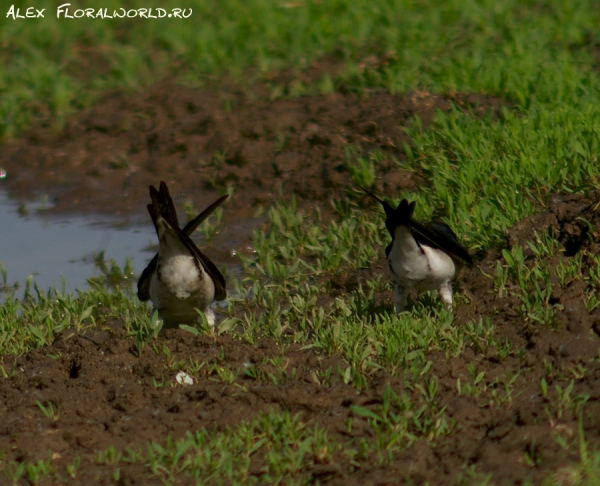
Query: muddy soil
(202,142)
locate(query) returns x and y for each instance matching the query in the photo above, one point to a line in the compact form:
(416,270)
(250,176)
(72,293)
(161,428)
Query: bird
(423,256)
(180,278)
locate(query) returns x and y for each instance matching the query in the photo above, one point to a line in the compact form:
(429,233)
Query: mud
(202,143)
(564,355)
(108,396)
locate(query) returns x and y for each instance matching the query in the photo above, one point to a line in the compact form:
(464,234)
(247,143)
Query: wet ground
(49,246)
(204,143)
(65,250)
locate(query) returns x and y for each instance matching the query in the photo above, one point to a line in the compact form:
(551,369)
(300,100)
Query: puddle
(48,246)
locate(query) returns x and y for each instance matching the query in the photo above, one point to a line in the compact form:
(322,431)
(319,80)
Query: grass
(524,52)
(483,173)
(289,446)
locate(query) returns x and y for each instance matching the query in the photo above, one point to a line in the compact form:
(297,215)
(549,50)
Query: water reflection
(52,247)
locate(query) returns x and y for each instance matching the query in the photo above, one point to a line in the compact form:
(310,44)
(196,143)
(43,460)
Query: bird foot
(445,292)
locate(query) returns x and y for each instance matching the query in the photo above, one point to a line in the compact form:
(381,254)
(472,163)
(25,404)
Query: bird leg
(401,298)
(445,292)
(210,317)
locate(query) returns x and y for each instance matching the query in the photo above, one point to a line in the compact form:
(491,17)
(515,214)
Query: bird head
(401,216)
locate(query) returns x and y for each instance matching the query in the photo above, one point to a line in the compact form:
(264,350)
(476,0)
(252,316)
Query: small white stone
(183,378)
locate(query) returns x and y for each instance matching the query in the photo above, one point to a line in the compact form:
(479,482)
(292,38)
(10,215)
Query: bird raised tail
(162,207)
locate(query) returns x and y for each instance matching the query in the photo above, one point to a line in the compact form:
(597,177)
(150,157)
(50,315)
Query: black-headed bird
(423,256)
(180,278)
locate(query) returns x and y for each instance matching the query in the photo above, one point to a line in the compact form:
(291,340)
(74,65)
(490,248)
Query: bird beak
(380,201)
(389,210)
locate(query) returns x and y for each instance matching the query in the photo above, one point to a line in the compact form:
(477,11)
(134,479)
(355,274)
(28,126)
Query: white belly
(181,288)
(412,267)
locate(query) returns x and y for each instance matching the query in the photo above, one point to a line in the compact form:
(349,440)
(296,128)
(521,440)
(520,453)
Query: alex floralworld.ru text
(65,12)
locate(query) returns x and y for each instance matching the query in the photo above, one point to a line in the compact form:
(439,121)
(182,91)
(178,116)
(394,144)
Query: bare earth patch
(200,142)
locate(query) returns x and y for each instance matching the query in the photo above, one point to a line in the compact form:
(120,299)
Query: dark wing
(161,201)
(191,226)
(440,236)
(165,202)
(388,249)
(435,234)
(209,266)
(143,284)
